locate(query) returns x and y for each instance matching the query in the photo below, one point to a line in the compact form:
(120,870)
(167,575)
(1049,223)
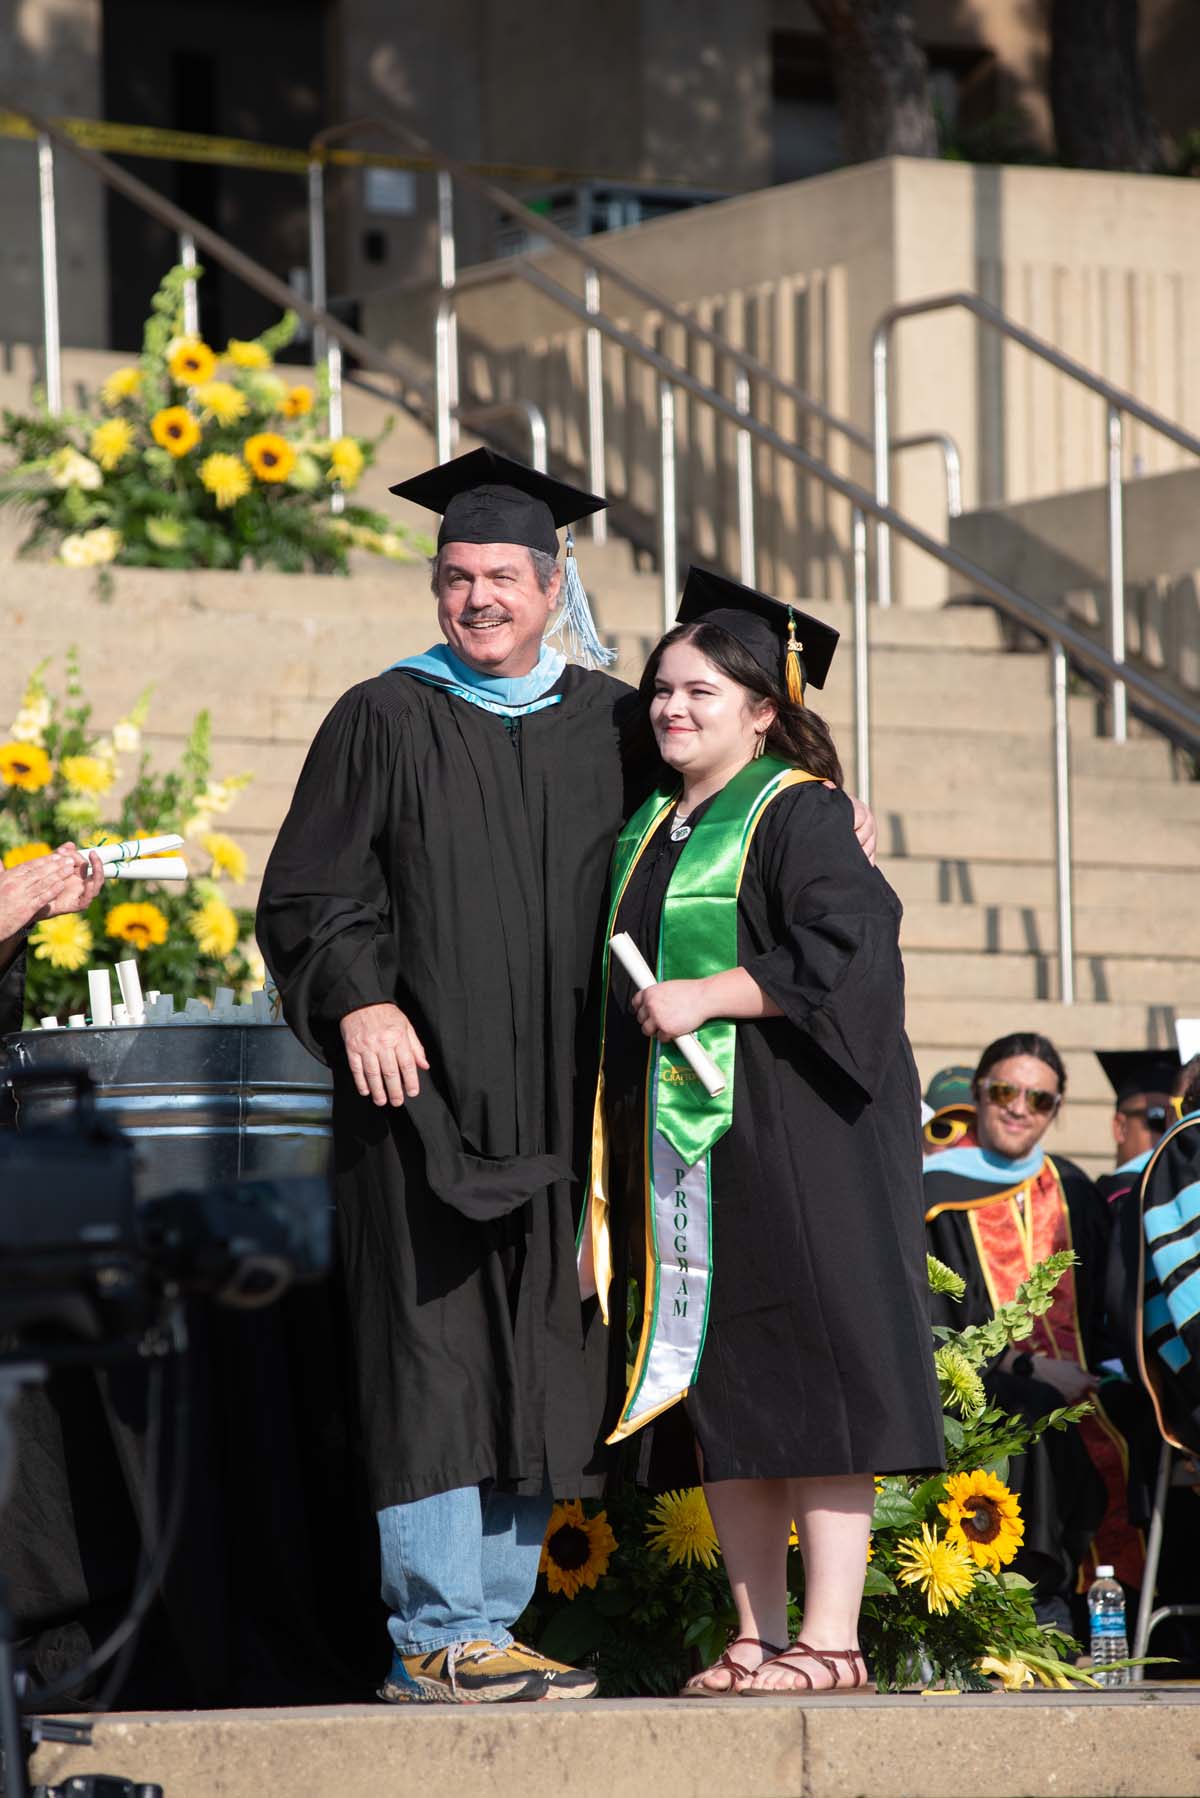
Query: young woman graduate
(775,1229)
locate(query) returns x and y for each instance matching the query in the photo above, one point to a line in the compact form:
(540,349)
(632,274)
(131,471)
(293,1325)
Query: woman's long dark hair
(797,735)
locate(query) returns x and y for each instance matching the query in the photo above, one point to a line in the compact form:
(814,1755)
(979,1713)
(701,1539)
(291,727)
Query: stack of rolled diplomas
(144,858)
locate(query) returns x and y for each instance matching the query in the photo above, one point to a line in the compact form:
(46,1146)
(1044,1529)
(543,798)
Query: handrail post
(337,500)
(318,277)
(446,337)
(1062,826)
(668,540)
(745,484)
(191,299)
(1118,724)
(882,450)
(595,406)
(51,332)
(862,686)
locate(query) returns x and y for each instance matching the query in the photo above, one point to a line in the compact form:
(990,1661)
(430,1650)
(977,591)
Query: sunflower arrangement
(637,1589)
(194,458)
(60,779)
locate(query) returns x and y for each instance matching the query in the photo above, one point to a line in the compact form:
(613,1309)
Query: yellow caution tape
(241,153)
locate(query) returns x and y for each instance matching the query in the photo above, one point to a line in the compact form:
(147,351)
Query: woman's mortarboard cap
(1131,1072)
(762,625)
(488,498)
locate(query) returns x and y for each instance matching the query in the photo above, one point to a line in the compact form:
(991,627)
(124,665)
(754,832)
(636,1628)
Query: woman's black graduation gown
(819,1357)
(436,857)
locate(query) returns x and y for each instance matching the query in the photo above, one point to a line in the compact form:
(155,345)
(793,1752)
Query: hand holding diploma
(670,1010)
(384,1053)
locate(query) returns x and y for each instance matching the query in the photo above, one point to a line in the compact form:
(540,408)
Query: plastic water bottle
(1106,1611)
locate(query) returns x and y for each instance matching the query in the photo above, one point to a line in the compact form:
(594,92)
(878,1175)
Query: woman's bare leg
(833,1525)
(753,1521)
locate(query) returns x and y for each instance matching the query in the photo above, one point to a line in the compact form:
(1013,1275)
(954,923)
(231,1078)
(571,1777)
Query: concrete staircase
(961,753)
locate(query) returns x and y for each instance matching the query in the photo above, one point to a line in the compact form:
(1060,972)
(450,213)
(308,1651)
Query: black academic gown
(818,1358)
(434,857)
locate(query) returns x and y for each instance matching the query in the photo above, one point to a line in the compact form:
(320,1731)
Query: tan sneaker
(464,1673)
(561,1681)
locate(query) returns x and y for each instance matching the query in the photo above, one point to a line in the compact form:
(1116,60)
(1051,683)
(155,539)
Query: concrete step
(1003,930)
(949,1022)
(1156,979)
(1090,1744)
(1161,894)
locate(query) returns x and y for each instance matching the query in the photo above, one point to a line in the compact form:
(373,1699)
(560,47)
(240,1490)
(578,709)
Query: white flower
(216,797)
(69,469)
(27,726)
(74,552)
(198,826)
(105,749)
(126,736)
(104,543)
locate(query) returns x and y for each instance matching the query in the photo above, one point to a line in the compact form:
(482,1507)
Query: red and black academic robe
(993,1220)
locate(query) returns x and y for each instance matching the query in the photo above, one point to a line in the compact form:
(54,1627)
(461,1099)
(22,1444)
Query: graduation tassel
(793,668)
(575,626)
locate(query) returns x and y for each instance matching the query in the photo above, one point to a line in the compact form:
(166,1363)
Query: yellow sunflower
(175,430)
(228,857)
(983,1517)
(345,461)
(111,442)
(64,942)
(86,773)
(944,1572)
(683,1529)
(223,401)
(191,362)
(297,402)
(269,455)
(122,384)
(225,477)
(246,355)
(215,928)
(141,924)
(24,765)
(26,852)
(576,1549)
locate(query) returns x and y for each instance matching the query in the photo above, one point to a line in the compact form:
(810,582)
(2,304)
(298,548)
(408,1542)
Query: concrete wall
(1106,267)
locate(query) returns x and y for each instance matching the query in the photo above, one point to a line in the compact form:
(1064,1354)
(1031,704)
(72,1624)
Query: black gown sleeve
(322,921)
(835,971)
(12,989)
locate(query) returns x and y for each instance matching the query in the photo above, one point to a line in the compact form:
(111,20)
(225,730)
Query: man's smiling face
(491,609)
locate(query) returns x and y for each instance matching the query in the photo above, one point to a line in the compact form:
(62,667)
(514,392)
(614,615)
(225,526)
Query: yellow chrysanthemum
(141,924)
(191,362)
(683,1528)
(345,461)
(247,355)
(983,1517)
(64,942)
(111,442)
(86,773)
(223,401)
(227,856)
(298,402)
(944,1572)
(26,852)
(175,430)
(215,928)
(226,477)
(269,455)
(576,1549)
(24,765)
(122,384)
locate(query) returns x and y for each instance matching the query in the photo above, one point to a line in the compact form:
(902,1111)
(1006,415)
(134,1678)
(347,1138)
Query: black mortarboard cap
(760,624)
(1133,1071)
(487,498)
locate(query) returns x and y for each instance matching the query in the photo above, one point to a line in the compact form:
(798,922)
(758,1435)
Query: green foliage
(141,505)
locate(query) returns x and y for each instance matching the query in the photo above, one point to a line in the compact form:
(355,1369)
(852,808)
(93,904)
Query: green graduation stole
(698,937)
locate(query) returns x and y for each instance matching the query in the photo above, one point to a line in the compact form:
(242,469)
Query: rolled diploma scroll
(130,984)
(160,867)
(111,853)
(100,995)
(642,975)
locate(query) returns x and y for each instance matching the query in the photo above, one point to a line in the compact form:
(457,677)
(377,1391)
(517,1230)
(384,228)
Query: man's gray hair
(544,567)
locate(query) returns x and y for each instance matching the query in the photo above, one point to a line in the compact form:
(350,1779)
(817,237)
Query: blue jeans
(459,1566)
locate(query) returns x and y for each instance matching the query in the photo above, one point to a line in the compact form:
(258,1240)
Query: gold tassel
(793,675)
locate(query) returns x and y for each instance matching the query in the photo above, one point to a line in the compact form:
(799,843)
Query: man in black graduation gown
(1142,1081)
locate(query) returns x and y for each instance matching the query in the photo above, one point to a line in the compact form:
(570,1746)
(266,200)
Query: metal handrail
(594,264)
(1118,405)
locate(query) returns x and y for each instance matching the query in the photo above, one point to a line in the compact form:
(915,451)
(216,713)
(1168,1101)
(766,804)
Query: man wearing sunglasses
(996,1205)
(1142,1081)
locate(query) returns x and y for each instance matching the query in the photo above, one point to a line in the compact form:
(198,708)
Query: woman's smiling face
(703,722)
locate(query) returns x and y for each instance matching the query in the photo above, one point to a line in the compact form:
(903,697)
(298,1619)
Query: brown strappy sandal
(738,1675)
(824,1657)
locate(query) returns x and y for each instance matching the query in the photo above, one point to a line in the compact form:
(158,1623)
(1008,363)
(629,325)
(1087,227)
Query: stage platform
(1139,1743)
